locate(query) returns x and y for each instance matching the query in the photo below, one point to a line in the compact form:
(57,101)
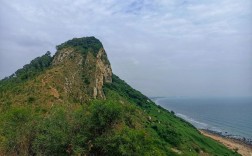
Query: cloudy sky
(160,47)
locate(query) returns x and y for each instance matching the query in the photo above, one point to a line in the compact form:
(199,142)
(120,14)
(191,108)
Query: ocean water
(231,116)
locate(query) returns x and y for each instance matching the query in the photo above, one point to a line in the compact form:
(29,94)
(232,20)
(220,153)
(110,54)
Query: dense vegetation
(83,44)
(33,122)
(28,72)
(124,90)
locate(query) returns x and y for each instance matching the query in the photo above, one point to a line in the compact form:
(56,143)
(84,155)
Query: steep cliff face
(85,70)
(103,73)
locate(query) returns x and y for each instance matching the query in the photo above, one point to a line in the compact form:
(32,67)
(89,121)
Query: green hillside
(72,104)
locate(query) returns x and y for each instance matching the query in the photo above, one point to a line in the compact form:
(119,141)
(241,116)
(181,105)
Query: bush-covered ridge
(124,90)
(83,44)
(33,68)
(29,71)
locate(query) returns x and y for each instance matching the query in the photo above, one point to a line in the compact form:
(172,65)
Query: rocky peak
(85,66)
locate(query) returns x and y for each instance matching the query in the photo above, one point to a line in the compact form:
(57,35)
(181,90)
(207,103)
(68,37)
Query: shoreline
(239,145)
(240,139)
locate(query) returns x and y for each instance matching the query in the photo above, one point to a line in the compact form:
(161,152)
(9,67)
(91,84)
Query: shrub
(31,99)
(52,134)
(168,134)
(103,116)
(16,131)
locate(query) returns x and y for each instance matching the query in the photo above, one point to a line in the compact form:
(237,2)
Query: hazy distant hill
(72,104)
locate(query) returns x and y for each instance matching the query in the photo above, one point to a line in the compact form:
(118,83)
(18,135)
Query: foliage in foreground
(109,127)
(99,128)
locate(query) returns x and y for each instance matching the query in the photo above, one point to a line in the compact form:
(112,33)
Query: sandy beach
(241,147)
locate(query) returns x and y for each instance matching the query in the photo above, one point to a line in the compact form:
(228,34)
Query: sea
(227,116)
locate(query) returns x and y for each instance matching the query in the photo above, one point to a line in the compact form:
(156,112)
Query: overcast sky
(160,47)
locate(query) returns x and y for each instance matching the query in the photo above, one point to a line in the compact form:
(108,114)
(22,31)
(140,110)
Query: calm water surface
(231,116)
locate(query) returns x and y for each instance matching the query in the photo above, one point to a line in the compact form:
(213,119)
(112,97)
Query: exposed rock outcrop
(85,72)
(62,55)
(103,73)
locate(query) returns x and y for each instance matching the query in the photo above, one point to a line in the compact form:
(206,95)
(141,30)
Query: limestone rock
(85,73)
(103,73)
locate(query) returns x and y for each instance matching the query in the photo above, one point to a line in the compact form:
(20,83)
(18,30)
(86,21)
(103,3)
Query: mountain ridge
(72,104)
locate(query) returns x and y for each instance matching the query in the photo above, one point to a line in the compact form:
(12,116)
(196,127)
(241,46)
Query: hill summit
(85,66)
(72,104)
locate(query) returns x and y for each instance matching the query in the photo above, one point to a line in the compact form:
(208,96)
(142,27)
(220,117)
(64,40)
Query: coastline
(242,147)
(241,144)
